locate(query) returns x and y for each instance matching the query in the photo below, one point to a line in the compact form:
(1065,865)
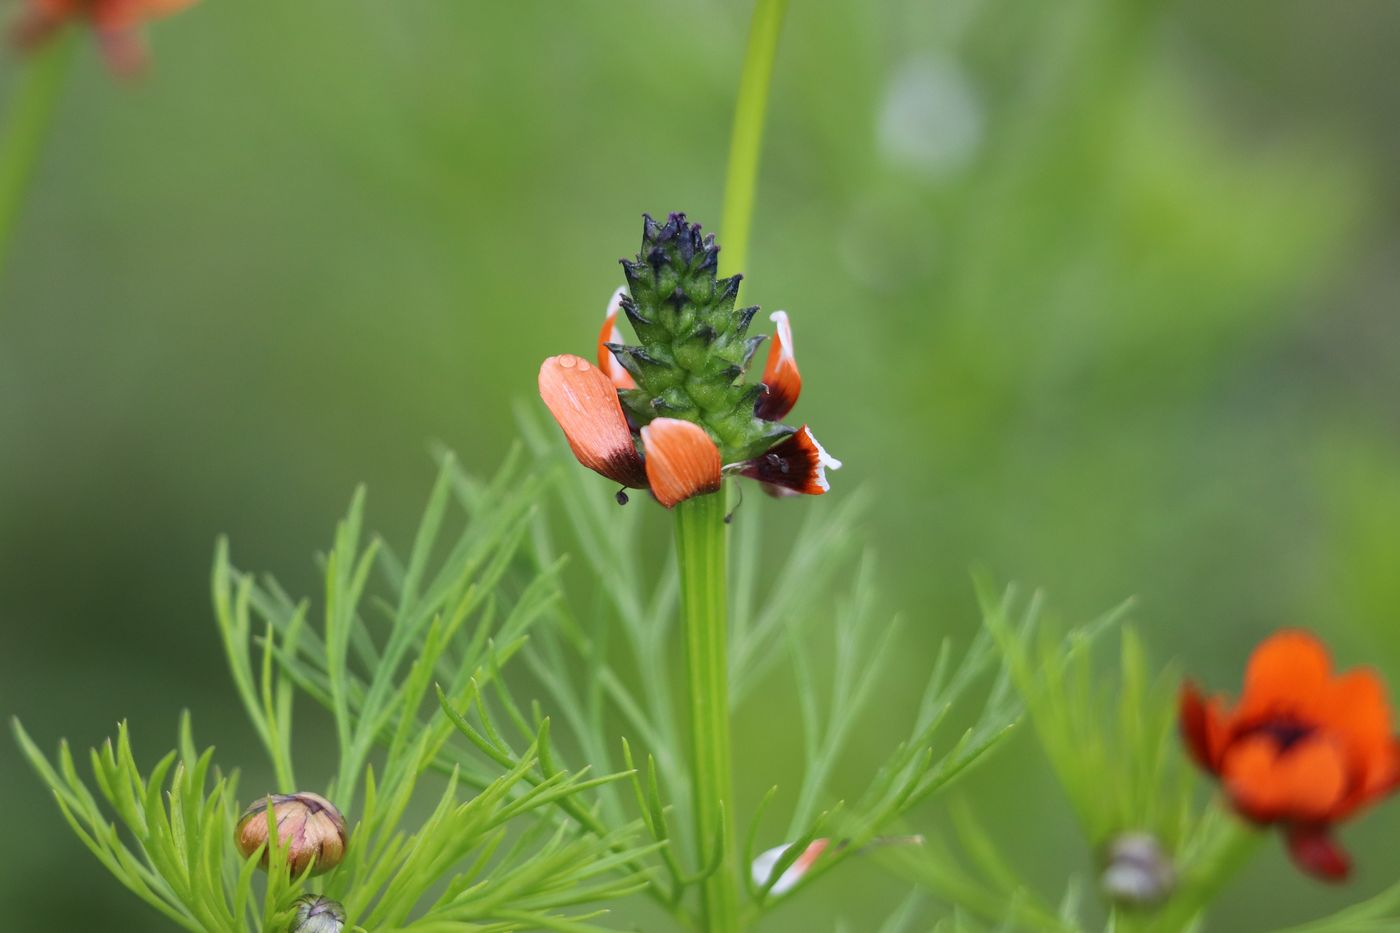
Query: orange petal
(1313,850)
(1302,783)
(584,402)
(610,334)
(681,460)
(1381,779)
(797,464)
(1203,726)
(1356,712)
(781,380)
(1288,673)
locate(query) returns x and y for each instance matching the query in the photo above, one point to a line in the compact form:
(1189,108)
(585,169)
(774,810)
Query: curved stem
(27,122)
(700,546)
(746,137)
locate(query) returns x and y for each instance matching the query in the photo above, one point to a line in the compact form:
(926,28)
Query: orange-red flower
(678,458)
(116,23)
(1303,748)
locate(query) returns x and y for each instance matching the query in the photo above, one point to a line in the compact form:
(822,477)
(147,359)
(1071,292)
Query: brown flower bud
(317,914)
(309,826)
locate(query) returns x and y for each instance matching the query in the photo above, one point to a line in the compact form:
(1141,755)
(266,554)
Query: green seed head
(694,345)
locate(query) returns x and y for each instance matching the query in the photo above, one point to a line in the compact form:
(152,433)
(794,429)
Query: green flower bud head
(694,344)
(317,914)
(308,824)
(673,414)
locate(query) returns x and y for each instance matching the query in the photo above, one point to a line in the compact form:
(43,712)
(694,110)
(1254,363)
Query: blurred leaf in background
(1099,293)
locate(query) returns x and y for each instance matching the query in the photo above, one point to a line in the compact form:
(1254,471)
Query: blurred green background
(1100,294)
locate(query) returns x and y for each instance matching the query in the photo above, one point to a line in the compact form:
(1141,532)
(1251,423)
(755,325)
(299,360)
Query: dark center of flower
(1285,732)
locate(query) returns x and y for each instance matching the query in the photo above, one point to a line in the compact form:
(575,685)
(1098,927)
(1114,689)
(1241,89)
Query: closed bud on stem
(1137,873)
(308,824)
(317,914)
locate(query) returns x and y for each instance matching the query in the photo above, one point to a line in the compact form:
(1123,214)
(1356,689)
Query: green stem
(26,126)
(700,546)
(746,136)
(1231,849)
(701,533)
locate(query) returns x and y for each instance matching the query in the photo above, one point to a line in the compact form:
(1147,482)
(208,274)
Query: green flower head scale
(694,344)
(672,413)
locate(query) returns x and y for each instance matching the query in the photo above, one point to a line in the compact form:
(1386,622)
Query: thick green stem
(746,136)
(26,125)
(701,533)
(700,545)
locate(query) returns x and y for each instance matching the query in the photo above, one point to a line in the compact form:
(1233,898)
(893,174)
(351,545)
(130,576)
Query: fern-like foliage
(507,846)
(605,665)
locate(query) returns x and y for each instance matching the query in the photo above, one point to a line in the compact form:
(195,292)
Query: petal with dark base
(794,466)
(681,460)
(584,401)
(781,381)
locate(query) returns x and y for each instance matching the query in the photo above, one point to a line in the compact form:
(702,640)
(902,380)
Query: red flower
(1303,748)
(116,23)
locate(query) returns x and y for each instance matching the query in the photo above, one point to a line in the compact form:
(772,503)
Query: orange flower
(681,459)
(116,23)
(674,413)
(1303,748)
(678,458)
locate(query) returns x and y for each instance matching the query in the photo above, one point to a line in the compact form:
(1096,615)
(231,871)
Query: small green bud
(308,824)
(317,914)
